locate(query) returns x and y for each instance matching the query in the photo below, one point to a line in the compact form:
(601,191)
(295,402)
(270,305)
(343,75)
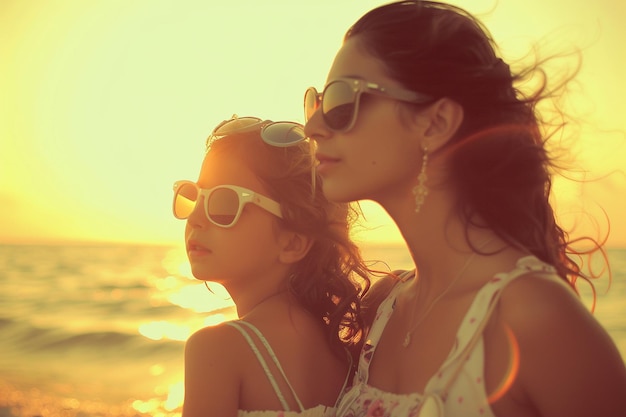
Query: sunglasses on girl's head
(278,134)
(222,204)
(340,100)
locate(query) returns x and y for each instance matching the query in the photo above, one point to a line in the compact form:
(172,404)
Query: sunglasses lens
(223,206)
(282,134)
(185,200)
(338,105)
(232,126)
(311,103)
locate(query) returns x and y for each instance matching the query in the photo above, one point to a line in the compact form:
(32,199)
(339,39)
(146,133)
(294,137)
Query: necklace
(407,338)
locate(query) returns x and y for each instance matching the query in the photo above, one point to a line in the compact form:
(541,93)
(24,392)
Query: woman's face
(380,155)
(242,251)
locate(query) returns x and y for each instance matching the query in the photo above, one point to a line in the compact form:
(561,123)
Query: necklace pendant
(407,340)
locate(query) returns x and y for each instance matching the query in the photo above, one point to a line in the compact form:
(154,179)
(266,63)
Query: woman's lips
(325,163)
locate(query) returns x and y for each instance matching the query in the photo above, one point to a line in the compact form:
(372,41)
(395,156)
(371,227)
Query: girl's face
(380,155)
(248,248)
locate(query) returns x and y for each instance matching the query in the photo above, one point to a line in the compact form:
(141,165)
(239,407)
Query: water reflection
(200,307)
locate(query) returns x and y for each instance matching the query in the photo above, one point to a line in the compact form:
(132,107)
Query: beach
(99,330)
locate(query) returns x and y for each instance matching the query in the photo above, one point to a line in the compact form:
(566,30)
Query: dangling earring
(420,191)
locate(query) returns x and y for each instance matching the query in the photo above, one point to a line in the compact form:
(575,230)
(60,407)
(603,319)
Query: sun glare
(175,396)
(159,330)
(115,101)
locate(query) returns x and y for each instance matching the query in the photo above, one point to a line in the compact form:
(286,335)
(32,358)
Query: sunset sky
(104,104)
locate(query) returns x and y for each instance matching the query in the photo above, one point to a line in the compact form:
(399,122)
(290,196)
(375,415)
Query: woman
(259,225)
(420,115)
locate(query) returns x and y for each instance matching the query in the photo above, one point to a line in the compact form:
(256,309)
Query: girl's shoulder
(223,331)
(383,285)
(215,366)
(221,342)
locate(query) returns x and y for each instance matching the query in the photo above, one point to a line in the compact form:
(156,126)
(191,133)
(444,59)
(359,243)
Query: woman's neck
(439,240)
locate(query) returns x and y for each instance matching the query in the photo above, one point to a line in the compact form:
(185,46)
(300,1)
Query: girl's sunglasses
(340,100)
(222,204)
(278,134)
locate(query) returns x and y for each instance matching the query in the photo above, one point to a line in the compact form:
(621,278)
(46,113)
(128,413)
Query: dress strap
(239,325)
(345,382)
(524,266)
(384,312)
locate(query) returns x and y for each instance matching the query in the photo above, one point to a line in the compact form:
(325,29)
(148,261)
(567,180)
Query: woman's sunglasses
(340,100)
(222,204)
(280,134)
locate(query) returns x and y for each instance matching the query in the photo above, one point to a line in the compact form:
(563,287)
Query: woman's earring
(420,191)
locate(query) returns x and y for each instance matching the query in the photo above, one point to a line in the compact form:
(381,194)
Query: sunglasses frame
(358,87)
(244,196)
(250,124)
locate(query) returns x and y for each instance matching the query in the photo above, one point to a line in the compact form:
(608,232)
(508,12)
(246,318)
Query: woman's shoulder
(533,297)
(540,294)
(541,309)
(549,326)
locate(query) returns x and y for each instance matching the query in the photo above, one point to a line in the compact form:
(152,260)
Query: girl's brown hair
(329,280)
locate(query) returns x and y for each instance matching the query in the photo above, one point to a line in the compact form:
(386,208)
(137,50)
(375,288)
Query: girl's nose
(197,217)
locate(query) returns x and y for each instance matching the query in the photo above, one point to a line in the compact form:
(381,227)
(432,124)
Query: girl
(259,225)
(421,115)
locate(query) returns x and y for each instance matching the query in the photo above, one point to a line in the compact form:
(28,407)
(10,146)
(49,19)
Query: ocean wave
(22,337)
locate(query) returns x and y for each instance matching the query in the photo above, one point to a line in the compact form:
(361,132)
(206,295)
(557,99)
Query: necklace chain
(407,338)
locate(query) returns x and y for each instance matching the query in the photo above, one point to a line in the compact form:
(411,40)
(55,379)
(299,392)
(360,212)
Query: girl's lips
(194,249)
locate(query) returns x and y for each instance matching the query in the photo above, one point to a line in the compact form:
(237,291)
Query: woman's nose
(315,128)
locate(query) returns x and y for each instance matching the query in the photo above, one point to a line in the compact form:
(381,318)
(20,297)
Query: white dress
(458,387)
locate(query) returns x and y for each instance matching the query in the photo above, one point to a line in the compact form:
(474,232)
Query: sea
(99,329)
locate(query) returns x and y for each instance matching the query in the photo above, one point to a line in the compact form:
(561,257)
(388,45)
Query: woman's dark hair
(329,280)
(498,160)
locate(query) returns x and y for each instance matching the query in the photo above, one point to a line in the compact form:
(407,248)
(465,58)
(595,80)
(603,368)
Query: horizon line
(97,242)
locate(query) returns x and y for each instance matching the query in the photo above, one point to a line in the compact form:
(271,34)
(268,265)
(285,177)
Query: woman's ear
(441,120)
(293,247)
